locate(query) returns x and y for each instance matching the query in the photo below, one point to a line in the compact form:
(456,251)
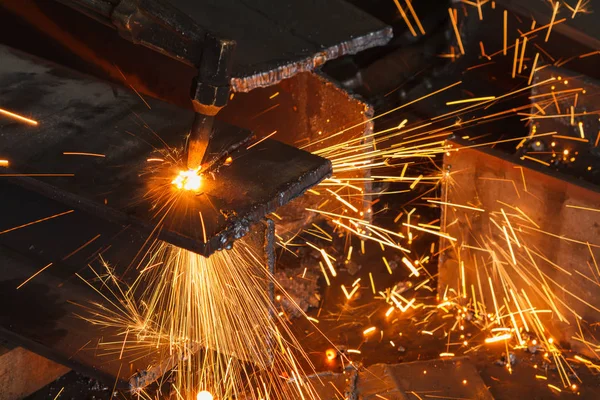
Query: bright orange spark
(76,153)
(18,117)
(579,207)
(552,21)
(261,140)
(410,266)
(498,338)
(33,276)
(456,32)
(36,221)
(472,100)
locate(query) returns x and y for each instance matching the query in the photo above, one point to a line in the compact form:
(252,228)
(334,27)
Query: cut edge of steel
(276,75)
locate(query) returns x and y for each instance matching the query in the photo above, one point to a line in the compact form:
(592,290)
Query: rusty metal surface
(18,380)
(76,113)
(492,180)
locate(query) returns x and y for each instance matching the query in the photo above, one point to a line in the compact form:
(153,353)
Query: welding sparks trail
(37,221)
(34,275)
(192,303)
(18,117)
(456,31)
(214,317)
(556,5)
(73,153)
(522,290)
(503,288)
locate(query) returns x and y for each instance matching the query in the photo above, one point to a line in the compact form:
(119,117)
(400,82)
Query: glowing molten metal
(188,180)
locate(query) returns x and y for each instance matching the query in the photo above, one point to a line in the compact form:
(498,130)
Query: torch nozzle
(198,141)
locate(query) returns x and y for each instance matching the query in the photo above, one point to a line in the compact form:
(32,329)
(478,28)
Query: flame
(188,180)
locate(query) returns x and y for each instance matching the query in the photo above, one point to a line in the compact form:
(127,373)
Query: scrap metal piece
(74,113)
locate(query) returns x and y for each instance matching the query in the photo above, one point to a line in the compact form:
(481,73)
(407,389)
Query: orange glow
(204,395)
(330,354)
(499,338)
(188,180)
